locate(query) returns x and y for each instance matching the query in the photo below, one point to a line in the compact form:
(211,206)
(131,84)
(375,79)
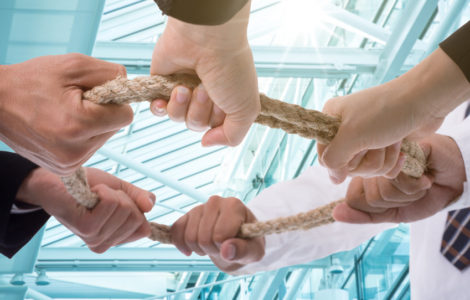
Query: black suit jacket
(457,46)
(15,229)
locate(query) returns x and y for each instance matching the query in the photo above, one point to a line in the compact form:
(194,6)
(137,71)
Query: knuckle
(99,249)
(74,61)
(121,70)
(88,230)
(190,239)
(219,237)
(213,200)
(205,241)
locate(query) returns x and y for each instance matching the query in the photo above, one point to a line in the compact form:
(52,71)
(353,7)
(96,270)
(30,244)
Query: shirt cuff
(18,210)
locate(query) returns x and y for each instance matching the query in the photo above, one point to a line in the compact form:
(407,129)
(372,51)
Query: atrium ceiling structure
(305,53)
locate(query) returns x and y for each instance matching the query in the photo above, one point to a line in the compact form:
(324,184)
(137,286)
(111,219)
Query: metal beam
(353,23)
(33,294)
(408,28)
(455,9)
(155,175)
(268,284)
(270,61)
(171,294)
(202,280)
(297,279)
(159,259)
(8,292)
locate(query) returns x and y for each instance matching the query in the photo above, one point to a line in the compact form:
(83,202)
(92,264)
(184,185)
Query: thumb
(242,251)
(143,199)
(162,62)
(230,133)
(344,213)
(338,153)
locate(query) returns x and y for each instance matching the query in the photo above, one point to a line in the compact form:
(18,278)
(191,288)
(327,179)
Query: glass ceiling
(305,52)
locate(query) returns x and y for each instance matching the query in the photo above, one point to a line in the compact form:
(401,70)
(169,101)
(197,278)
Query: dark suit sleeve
(15,229)
(202,12)
(457,46)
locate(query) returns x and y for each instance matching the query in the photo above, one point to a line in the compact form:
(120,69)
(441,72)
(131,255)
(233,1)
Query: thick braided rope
(274,113)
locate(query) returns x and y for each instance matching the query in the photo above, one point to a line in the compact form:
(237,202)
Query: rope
(291,118)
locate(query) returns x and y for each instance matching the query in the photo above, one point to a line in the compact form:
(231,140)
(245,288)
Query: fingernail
(182,94)
(152,199)
(158,111)
(201,94)
(333,177)
(231,252)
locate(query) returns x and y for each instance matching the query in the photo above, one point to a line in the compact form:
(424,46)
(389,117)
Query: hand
(43,116)
(407,199)
(221,57)
(413,105)
(212,228)
(200,113)
(117,219)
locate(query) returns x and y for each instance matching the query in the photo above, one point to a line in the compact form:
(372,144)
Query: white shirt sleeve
(17,210)
(312,189)
(461,135)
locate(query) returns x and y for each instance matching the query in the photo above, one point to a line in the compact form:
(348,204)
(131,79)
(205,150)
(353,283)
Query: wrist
(29,191)
(226,37)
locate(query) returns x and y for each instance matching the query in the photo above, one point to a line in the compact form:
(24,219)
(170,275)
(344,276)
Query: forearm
(206,12)
(433,88)
(3,93)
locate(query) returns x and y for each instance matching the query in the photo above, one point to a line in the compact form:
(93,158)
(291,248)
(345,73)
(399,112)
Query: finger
(395,197)
(179,103)
(177,233)
(105,207)
(192,230)
(243,251)
(371,164)
(158,107)
(359,198)
(231,132)
(144,200)
(393,173)
(118,234)
(217,117)
(409,185)
(142,232)
(207,225)
(374,201)
(101,241)
(340,151)
(354,163)
(320,149)
(392,154)
(200,110)
(336,175)
(345,213)
(98,118)
(136,227)
(88,72)
(231,216)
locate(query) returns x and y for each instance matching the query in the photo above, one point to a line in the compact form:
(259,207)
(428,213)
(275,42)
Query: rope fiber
(291,118)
